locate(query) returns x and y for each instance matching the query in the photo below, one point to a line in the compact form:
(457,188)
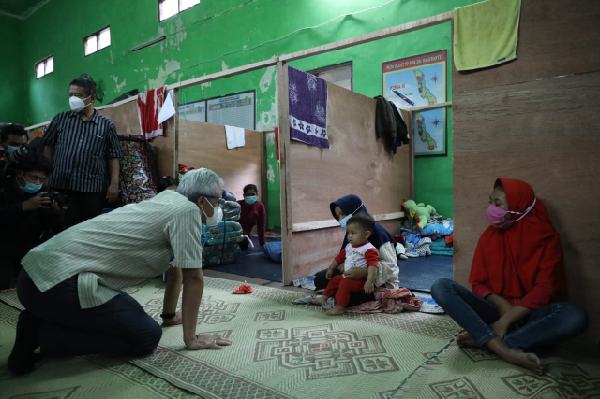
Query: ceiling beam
(27,13)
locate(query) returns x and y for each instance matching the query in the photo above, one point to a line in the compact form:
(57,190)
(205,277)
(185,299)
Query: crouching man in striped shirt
(71,285)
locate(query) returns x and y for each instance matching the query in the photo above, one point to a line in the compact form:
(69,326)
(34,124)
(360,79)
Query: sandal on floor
(243,289)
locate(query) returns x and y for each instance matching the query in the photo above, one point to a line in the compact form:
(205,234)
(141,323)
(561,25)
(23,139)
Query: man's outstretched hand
(206,341)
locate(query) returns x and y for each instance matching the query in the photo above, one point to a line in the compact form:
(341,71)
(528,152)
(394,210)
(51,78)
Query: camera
(60,199)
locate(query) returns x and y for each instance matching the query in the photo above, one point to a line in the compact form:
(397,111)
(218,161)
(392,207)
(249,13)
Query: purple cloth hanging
(308,108)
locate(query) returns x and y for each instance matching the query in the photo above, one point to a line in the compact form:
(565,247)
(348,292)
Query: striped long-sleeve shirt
(120,249)
(81,151)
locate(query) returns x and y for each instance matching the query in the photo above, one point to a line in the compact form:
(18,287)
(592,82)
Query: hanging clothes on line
(149,105)
(138,170)
(235,137)
(308,108)
(389,125)
(486,33)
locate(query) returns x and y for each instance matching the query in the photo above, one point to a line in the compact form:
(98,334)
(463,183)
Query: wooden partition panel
(125,117)
(205,145)
(355,163)
(166,151)
(536,120)
(127,122)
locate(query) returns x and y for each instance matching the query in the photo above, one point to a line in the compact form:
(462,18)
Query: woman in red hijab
(517,279)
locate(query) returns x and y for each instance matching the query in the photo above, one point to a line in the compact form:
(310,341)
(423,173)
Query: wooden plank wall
(355,163)
(537,119)
(204,145)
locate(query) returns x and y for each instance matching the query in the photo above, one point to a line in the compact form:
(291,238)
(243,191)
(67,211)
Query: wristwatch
(167,316)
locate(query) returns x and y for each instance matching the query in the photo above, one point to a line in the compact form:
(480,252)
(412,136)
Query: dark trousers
(119,327)
(356,298)
(84,206)
(542,327)
(10,265)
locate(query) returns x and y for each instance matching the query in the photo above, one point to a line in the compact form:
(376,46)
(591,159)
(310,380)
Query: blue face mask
(30,187)
(344,221)
(250,199)
(11,148)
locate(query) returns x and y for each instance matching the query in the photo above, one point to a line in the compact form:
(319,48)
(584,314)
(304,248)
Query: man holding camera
(85,151)
(28,214)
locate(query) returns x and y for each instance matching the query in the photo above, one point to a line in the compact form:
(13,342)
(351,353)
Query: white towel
(167,110)
(235,137)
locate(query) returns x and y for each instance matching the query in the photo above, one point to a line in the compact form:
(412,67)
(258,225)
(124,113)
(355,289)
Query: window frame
(97,36)
(326,68)
(43,61)
(179,10)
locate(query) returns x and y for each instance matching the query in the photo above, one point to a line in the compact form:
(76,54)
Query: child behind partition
(359,253)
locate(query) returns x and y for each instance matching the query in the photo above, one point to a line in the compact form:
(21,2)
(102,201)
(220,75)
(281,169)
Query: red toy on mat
(243,289)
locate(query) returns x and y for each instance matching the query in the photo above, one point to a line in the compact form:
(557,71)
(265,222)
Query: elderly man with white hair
(71,286)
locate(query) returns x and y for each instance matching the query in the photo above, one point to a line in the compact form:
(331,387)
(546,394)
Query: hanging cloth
(149,105)
(308,108)
(485,33)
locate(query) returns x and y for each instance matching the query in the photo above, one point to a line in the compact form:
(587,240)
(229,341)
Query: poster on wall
(234,110)
(195,111)
(420,81)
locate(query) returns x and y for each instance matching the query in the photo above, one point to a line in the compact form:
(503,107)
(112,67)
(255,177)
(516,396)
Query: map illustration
(420,81)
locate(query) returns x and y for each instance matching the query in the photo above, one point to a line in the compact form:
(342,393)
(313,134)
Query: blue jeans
(542,327)
(118,327)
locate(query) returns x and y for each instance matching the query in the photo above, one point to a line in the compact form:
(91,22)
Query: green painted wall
(221,34)
(12,85)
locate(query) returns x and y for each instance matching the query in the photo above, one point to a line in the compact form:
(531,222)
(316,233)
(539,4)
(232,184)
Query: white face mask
(216,217)
(76,104)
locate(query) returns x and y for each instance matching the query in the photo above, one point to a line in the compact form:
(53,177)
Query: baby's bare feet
(336,310)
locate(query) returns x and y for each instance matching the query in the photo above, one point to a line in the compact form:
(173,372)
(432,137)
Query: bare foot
(318,300)
(524,359)
(464,340)
(336,310)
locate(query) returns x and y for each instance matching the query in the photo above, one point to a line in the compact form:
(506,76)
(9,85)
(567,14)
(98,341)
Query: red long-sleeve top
(524,263)
(253,215)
